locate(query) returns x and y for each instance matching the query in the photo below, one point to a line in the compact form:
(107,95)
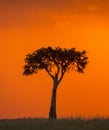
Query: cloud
(24,19)
(56,5)
(19,15)
(40,13)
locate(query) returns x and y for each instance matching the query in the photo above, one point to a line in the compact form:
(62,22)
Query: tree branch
(50,74)
(61,76)
(58,69)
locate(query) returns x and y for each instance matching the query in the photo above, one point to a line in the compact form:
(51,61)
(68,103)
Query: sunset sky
(25,26)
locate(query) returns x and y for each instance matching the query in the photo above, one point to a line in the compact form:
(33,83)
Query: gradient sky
(25,26)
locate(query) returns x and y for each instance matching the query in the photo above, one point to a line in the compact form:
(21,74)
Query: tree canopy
(61,59)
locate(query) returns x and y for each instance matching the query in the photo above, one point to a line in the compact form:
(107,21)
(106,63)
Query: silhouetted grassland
(60,124)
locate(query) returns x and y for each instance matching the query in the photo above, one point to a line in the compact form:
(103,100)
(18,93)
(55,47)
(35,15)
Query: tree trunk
(52,113)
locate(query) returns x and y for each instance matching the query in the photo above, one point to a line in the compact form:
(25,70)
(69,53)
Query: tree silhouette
(56,62)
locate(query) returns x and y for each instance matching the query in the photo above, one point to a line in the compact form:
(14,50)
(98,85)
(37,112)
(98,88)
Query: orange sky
(27,26)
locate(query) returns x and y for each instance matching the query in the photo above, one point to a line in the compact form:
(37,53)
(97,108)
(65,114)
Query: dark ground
(60,124)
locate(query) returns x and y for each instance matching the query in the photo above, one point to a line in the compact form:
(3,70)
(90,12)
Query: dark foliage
(62,59)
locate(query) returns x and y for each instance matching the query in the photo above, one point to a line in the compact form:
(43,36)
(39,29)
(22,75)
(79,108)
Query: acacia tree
(56,62)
